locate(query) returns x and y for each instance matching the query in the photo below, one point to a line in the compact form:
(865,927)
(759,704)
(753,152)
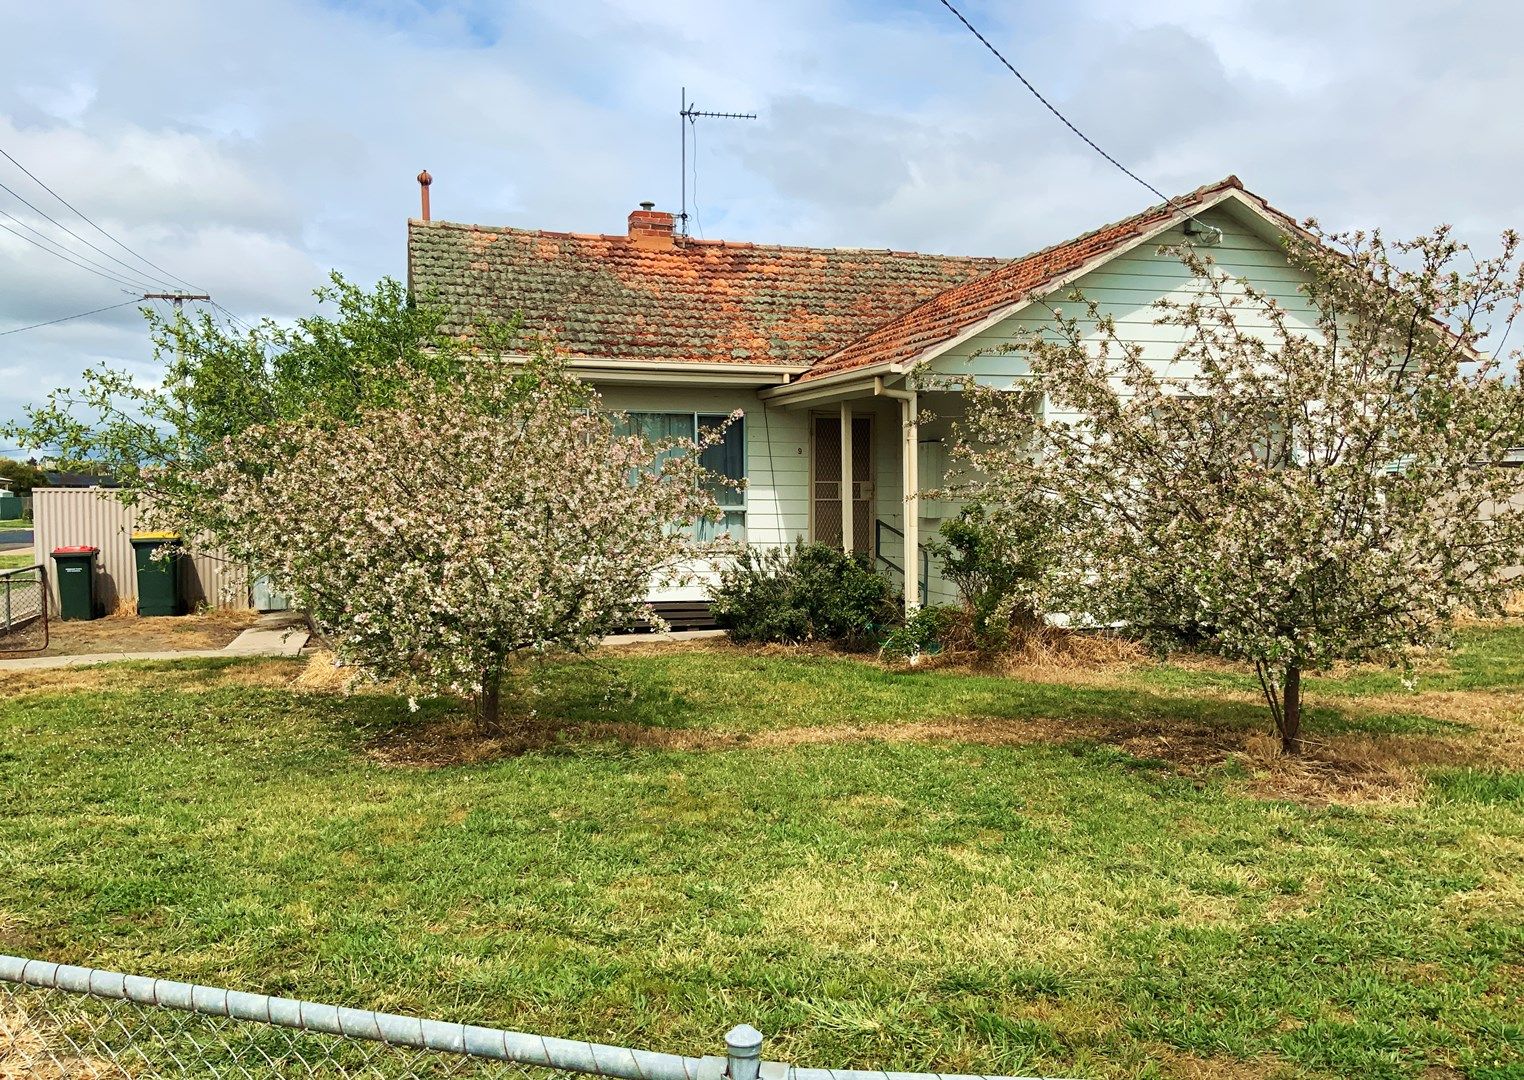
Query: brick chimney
(650,228)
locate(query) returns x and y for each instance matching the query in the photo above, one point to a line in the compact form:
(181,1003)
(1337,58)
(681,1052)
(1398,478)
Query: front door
(826,486)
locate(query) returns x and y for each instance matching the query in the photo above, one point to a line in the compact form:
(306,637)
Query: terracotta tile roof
(944,316)
(606,297)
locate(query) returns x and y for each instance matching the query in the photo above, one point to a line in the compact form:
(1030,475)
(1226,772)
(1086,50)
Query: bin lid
(81,549)
(154,537)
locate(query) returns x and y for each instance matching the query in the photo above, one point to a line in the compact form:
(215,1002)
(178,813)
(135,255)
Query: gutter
(599,369)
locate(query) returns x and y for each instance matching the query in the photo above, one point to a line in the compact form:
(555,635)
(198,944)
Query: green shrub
(998,561)
(755,599)
(807,592)
(925,633)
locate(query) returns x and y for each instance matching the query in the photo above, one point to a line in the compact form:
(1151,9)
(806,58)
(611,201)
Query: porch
(880,449)
(794,450)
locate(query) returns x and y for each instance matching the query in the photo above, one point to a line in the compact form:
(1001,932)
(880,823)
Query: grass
(15,523)
(1083,873)
(15,562)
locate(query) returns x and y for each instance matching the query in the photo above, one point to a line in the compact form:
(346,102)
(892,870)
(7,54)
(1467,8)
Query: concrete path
(281,633)
(658,639)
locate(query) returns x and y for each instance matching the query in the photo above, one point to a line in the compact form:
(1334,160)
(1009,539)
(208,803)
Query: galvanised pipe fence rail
(61,1021)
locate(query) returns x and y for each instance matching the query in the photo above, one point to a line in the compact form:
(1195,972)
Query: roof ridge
(564,234)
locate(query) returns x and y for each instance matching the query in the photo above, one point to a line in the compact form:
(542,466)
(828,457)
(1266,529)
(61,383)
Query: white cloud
(249,147)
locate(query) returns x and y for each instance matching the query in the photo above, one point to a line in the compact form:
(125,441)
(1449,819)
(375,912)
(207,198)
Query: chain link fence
(59,1022)
(23,610)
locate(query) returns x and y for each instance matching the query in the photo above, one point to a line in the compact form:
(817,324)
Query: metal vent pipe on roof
(424,180)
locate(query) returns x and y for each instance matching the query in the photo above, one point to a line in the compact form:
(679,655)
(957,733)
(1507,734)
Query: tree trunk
(1291,711)
(489,704)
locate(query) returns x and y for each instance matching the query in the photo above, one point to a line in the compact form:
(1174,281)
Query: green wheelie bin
(158,578)
(74,568)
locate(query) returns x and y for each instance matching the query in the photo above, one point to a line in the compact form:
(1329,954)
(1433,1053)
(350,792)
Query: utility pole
(176,298)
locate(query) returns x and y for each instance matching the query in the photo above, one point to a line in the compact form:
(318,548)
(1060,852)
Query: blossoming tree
(1290,488)
(498,513)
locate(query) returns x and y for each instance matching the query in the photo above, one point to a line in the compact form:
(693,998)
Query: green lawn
(15,523)
(12,562)
(904,870)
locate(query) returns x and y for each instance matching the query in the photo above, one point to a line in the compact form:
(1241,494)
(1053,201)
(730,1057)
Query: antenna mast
(686,116)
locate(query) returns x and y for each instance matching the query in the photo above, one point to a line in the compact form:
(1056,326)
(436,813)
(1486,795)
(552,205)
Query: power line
(71,232)
(233,318)
(133,286)
(1050,107)
(67,318)
(89,222)
(67,255)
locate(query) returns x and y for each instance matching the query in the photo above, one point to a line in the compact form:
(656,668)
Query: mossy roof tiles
(709,301)
(833,309)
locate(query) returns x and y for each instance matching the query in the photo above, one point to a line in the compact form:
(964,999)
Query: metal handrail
(923,584)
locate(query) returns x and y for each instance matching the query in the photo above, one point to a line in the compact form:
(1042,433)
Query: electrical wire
(94,226)
(1052,109)
(697,218)
(233,318)
(56,224)
(67,318)
(70,256)
(109,277)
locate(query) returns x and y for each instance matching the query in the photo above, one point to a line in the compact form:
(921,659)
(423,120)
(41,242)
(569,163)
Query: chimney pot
(651,228)
(424,180)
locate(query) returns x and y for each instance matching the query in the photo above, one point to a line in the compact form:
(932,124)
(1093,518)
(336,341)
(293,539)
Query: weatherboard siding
(777,464)
(1126,289)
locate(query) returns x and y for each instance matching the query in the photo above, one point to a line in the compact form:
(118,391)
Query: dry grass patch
(27,1050)
(164,675)
(323,673)
(1178,1065)
(124,631)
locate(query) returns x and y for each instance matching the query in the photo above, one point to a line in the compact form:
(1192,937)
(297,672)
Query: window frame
(731,501)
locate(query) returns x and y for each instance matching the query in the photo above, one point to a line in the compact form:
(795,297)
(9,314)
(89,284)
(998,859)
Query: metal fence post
(743,1050)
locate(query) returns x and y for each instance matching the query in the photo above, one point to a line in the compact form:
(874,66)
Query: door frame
(835,414)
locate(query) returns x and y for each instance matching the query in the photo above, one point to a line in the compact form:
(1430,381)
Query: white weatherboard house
(816,345)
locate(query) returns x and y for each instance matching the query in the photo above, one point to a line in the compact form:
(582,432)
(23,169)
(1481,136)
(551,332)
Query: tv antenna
(687,116)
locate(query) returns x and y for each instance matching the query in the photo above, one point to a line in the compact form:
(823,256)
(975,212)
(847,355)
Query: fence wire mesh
(59,1022)
(23,610)
(52,1034)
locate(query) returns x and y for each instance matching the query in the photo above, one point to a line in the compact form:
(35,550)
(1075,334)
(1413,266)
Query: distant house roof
(653,296)
(78,480)
(618,298)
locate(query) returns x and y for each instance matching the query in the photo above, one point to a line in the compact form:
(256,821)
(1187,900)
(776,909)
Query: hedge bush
(806,592)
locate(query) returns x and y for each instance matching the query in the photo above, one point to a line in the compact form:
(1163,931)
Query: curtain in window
(727,459)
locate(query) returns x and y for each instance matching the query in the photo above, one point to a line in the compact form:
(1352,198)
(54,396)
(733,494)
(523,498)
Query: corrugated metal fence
(64,517)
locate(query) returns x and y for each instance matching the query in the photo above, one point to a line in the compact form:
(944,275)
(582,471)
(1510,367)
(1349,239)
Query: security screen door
(825,482)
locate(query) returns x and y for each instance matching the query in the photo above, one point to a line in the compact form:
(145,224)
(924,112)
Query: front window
(726,459)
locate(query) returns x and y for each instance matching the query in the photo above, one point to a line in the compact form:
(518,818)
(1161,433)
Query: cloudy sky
(249,146)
